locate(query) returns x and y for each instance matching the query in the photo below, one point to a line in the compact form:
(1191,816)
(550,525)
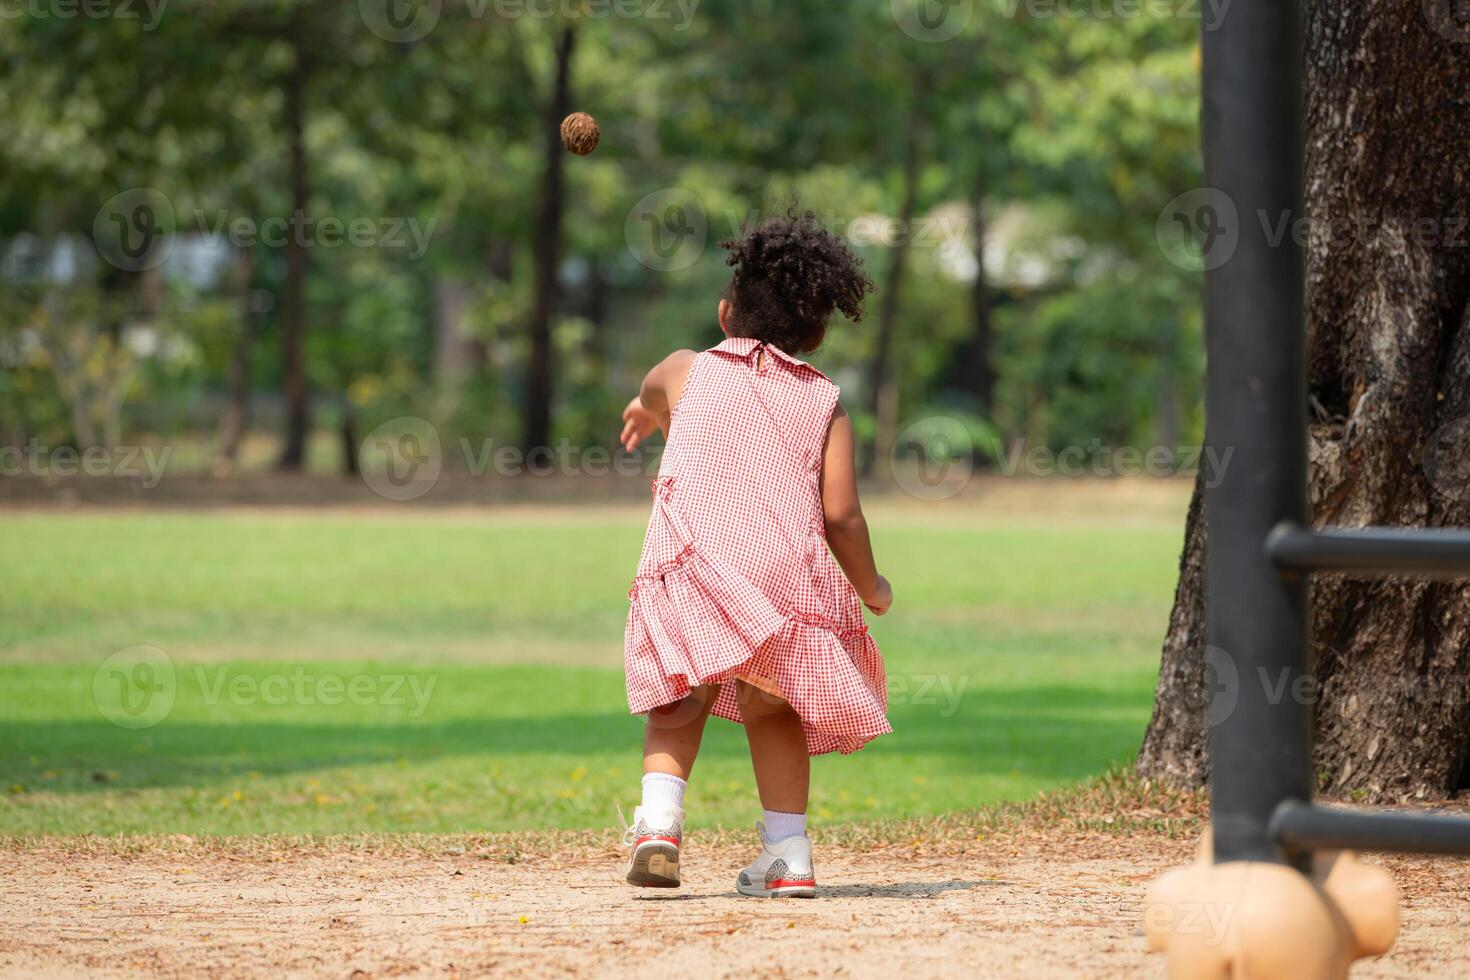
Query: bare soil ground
(1012,903)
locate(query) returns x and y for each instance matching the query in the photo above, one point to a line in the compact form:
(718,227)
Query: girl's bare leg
(672,734)
(777,750)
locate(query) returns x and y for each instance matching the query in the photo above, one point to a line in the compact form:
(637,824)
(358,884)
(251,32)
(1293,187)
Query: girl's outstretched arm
(655,402)
(847,529)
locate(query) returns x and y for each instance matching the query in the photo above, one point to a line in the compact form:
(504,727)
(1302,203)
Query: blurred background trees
(255,229)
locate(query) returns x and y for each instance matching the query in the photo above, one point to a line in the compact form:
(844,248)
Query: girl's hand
(881,599)
(638,424)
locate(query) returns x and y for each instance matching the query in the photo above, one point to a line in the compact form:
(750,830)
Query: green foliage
(1078,129)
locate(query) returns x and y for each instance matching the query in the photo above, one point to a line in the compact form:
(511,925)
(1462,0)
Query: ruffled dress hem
(694,621)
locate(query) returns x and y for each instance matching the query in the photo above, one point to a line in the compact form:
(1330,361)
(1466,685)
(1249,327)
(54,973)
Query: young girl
(738,606)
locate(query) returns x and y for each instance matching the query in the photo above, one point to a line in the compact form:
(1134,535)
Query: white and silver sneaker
(784,869)
(655,836)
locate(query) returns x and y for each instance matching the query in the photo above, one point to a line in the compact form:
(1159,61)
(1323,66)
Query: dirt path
(1064,907)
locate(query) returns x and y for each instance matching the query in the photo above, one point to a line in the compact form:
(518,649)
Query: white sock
(662,791)
(781,826)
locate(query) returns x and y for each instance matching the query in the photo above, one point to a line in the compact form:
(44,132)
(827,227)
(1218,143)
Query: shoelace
(628,835)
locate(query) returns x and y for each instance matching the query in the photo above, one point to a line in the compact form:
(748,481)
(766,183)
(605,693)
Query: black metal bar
(1373,549)
(1255,397)
(1302,827)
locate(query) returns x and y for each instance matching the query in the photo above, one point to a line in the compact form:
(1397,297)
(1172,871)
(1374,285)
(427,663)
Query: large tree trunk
(1389,361)
(293,318)
(882,384)
(546,249)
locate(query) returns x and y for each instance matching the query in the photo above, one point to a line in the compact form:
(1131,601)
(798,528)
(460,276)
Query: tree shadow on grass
(1054,733)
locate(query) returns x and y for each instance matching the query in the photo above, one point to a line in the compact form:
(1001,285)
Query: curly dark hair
(790,274)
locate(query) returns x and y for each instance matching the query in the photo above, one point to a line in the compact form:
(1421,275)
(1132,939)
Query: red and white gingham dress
(736,580)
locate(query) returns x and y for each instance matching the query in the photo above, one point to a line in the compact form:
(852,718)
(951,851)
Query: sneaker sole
(796,890)
(655,865)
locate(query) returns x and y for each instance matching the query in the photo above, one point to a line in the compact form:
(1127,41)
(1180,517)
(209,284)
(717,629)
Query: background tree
(1066,332)
(1389,375)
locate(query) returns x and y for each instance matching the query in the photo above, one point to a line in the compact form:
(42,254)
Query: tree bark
(974,363)
(454,353)
(347,432)
(293,319)
(882,385)
(1388,274)
(237,411)
(546,249)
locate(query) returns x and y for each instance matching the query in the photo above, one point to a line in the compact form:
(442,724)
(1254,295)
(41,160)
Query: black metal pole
(1439,553)
(1302,827)
(1260,746)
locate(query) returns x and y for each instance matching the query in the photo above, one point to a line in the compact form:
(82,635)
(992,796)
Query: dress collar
(746,346)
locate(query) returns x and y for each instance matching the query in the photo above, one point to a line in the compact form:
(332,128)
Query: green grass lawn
(461,671)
